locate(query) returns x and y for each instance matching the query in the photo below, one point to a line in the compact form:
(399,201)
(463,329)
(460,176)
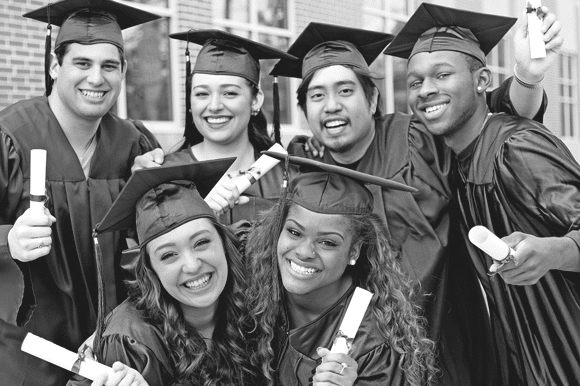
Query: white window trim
(570,100)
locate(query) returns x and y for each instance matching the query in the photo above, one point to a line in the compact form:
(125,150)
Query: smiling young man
(513,176)
(342,106)
(47,266)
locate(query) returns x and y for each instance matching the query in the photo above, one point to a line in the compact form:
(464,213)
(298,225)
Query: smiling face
(337,109)
(191,264)
(88,81)
(221,106)
(319,274)
(442,92)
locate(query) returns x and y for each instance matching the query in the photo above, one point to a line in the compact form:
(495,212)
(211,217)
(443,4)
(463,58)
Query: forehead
(101,51)
(321,222)
(332,75)
(199,79)
(432,60)
(182,233)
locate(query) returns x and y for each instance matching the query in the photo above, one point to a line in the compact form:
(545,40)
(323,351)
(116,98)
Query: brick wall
(21,52)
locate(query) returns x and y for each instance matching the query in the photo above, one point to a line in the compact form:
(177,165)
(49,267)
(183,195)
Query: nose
(306,250)
(95,76)
(215,103)
(428,87)
(332,104)
(190,263)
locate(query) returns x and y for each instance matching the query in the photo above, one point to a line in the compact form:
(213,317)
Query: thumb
(243,200)
(322,352)
(158,155)
(514,239)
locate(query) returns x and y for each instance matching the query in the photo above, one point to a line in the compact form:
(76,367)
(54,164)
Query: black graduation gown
(378,362)
(55,296)
(263,194)
(130,339)
(518,176)
(420,224)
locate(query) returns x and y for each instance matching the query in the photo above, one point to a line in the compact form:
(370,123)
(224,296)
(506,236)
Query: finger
(243,200)
(99,380)
(158,155)
(555,44)
(513,239)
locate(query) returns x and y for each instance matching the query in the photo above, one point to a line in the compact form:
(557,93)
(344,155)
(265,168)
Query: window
(266,22)
(567,82)
(389,16)
(148,93)
(497,61)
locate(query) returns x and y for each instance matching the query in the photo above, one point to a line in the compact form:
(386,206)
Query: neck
(203,320)
(242,149)
(303,309)
(78,131)
(358,149)
(463,136)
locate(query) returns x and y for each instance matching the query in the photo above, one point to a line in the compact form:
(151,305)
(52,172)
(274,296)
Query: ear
(355,251)
(483,79)
(374,100)
(54,67)
(124,71)
(258,100)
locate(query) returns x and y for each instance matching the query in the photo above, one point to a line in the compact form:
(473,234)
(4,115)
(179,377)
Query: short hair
(473,64)
(366,80)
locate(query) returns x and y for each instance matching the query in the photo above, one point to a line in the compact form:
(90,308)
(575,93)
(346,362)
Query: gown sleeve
(120,348)
(541,181)
(16,299)
(379,367)
(499,101)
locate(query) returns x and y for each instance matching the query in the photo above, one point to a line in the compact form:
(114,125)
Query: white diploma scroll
(352,319)
(37,179)
(535,36)
(482,238)
(57,355)
(262,166)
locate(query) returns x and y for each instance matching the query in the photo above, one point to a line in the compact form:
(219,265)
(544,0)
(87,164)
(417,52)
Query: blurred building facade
(154,88)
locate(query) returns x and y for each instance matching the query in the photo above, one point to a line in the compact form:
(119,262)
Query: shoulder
(23,112)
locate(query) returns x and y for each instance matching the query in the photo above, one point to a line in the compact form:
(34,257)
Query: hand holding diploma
(30,237)
(335,369)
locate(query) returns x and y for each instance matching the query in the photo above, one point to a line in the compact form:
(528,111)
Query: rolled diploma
(352,319)
(535,36)
(262,166)
(482,238)
(57,355)
(37,177)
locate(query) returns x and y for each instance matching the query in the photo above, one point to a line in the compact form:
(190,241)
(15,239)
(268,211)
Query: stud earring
(352,261)
(255,112)
(479,88)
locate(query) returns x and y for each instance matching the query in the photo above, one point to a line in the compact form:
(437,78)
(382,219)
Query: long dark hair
(395,315)
(226,363)
(257,128)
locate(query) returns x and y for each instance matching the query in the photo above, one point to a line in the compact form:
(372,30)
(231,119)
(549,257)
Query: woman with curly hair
(306,257)
(184,319)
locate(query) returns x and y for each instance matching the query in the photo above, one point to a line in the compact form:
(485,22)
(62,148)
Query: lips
(301,270)
(217,120)
(199,283)
(432,109)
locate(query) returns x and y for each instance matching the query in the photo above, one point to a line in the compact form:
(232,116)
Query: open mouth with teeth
(335,124)
(217,120)
(93,94)
(302,270)
(200,283)
(435,108)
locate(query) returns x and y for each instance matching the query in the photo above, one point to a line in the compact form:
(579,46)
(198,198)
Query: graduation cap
(224,53)
(87,22)
(322,45)
(331,189)
(437,28)
(158,200)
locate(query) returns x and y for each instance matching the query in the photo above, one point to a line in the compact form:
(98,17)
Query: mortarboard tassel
(276,99)
(101,302)
(189,130)
(47,49)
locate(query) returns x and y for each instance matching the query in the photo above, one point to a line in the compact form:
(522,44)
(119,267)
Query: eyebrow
(172,244)
(299,226)
(336,84)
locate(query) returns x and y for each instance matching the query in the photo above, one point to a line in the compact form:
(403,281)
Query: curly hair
(397,318)
(226,363)
(257,128)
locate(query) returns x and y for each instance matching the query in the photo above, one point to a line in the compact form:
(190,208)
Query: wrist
(569,254)
(527,80)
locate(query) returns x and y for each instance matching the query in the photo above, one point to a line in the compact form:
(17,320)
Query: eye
(316,96)
(201,243)
(415,84)
(83,64)
(346,91)
(443,75)
(168,255)
(231,94)
(293,232)
(328,243)
(200,94)
(110,67)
